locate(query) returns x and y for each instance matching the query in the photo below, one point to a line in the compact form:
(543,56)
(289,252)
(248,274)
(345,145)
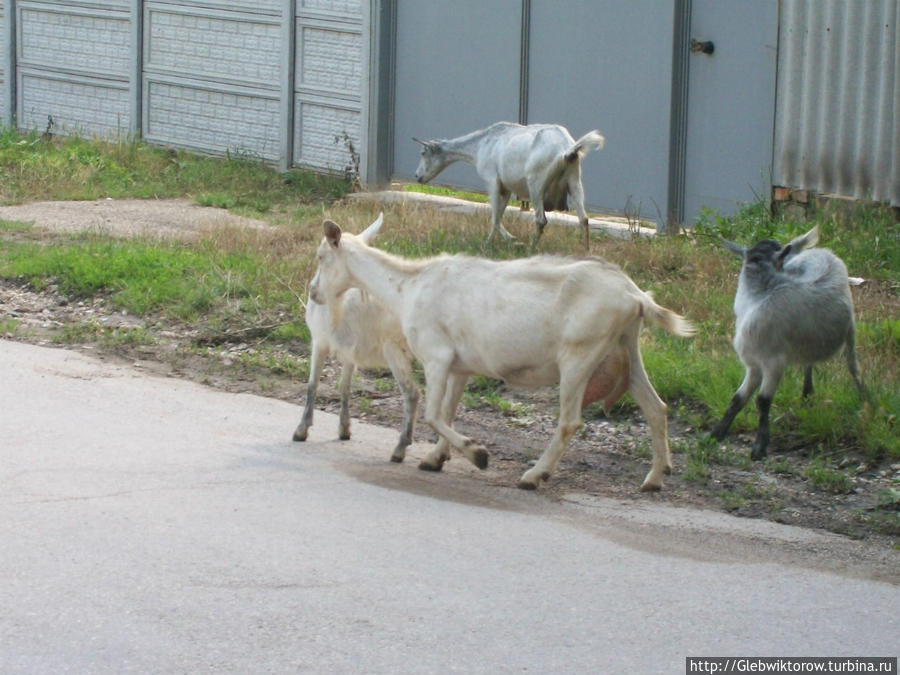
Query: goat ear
(332,233)
(739,251)
(369,233)
(782,254)
(807,240)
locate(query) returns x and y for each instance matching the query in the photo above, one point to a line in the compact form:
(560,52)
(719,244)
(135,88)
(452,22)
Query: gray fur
(792,306)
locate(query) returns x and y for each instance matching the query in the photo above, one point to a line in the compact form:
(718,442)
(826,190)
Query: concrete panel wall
(282,80)
(73,72)
(211,78)
(330,83)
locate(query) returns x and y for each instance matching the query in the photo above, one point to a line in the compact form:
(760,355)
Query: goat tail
(592,140)
(666,319)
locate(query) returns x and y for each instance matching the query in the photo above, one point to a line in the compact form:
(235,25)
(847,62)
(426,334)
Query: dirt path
(180,218)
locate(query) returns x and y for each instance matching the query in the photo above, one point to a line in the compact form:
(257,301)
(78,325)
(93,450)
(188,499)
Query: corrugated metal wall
(837,126)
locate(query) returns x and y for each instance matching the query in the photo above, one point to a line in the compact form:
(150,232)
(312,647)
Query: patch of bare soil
(607,458)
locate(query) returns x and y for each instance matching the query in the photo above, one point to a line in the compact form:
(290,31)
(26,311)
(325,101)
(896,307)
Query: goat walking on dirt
(531,322)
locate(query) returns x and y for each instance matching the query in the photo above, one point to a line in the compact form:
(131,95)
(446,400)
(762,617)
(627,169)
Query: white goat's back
(515,320)
(521,151)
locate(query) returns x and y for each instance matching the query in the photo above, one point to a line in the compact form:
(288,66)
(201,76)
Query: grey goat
(793,305)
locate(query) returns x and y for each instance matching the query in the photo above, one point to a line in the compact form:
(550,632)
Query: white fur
(540,161)
(362,333)
(531,322)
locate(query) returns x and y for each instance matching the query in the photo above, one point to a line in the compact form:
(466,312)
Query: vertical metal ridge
(678,116)
(837,124)
(524,53)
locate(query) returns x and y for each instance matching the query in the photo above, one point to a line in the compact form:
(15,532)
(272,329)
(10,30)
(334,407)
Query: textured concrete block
(329,60)
(319,135)
(81,42)
(76,105)
(347,8)
(221,48)
(214,120)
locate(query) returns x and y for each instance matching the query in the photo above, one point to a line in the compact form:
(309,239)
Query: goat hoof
(757,454)
(344,436)
(480,458)
(651,487)
(526,485)
(397,459)
(300,435)
(427,466)
(717,433)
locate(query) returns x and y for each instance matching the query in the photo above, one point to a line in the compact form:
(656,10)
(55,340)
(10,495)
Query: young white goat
(531,322)
(541,161)
(362,333)
(793,305)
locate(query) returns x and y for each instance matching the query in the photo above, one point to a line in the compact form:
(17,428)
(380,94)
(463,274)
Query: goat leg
(807,382)
(316,362)
(721,428)
(344,418)
(758,451)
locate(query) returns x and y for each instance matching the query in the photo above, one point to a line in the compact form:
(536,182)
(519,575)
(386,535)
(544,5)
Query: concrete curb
(616,227)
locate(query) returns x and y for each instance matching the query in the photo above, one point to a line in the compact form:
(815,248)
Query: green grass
(446,192)
(138,276)
(820,473)
(233,281)
(73,167)
(485,392)
(9,327)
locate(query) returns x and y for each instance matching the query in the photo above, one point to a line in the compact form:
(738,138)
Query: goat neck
(465,148)
(376,272)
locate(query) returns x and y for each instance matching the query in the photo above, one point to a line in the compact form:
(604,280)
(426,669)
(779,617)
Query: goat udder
(609,381)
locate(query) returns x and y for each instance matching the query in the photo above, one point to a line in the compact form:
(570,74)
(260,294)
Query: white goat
(541,161)
(531,322)
(360,332)
(793,305)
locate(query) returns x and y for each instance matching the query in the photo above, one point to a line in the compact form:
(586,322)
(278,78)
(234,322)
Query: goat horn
(739,251)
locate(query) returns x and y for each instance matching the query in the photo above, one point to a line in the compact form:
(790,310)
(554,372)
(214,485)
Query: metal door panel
(457,70)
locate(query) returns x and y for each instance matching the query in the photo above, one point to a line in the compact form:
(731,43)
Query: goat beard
(609,381)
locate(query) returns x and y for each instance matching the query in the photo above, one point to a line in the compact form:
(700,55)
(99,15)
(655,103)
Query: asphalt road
(157,526)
